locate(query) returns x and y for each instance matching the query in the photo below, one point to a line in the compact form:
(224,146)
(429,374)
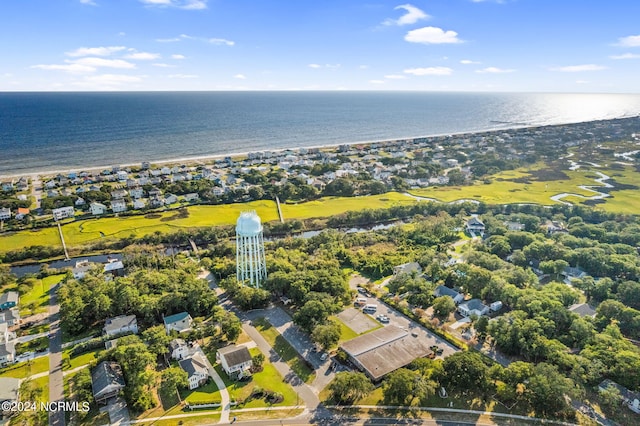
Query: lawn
(42,383)
(331,206)
(206,394)
(285,350)
(268,379)
(69,362)
(25,369)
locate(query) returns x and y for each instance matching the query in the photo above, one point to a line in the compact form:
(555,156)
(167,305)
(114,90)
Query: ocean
(42,132)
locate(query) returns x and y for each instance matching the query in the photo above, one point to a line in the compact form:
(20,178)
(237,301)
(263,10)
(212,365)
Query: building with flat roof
(384,350)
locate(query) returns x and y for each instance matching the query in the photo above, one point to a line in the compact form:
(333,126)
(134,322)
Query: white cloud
(161,65)
(395,76)
(221,41)
(178,57)
(72,68)
(95,51)
(429,71)
(329,66)
(629,41)
(101,62)
(182,76)
(432,35)
(494,70)
(240,76)
(89,2)
(468,62)
(626,56)
(412,16)
(580,68)
(169,40)
(112,78)
(180,4)
(582,82)
(143,56)
(376,81)
(364,67)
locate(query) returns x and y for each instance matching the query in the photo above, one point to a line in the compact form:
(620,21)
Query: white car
(324,356)
(383,318)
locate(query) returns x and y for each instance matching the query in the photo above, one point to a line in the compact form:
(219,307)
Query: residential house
(191,197)
(7,353)
(178,349)
(514,226)
(583,309)
(570,273)
(118,206)
(63,212)
(407,268)
(139,204)
(114,267)
(196,368)
(136,193)
(80,202)
(446,291)
(170,199)
(10,316)
(107,381)
(473,307)
(5,213)
(630,398)
(120,325)
(82,267)
(22,213)
(119,193)
(475,226)
(495,306)
(97,209)
(5,334)
(9,393)
(235,360)
(9,299)
(7,186)
(179,322)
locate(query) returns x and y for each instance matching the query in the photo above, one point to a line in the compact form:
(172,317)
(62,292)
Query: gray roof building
(106,381)
(121,324)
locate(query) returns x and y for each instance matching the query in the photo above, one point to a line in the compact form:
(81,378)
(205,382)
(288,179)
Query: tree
(443,306)
(326,335)
(258,361)
(156,339)
(231,327)
(349,386)
(402,386)
(465,370)
(610,397)
(310,314)
(172,379)
(546,390)
(481,325)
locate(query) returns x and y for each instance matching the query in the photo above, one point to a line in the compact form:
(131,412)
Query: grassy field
(330,206)
(37,299)
(285,350)
(69,362)
(345,332)
(25,369)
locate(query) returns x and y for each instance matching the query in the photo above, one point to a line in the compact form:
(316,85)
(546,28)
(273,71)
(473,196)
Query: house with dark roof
(473,307)
(196,368)
(475,226)
(179,322)
(9,300)
(583,309)
(121,325)
(107,381)
(446,291)
(10,316)
(235,360)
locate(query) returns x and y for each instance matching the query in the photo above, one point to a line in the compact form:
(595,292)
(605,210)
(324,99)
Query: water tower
(251,267)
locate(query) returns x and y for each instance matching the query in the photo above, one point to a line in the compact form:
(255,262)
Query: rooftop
(235,355)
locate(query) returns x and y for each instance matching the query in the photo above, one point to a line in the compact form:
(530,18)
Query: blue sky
(451,45)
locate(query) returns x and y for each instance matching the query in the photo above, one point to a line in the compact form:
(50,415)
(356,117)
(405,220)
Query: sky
(587,46)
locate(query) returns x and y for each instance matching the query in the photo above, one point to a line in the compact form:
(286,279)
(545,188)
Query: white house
(235,360)
(7,353)
(178,349)
(119,205)
(196,368)
(192,197)
(136,193)
(80,202)
(120,325)
(179,322)
(97,209)
(139,204)
(5,213)
(496,306)
(63,212)
(473,307)
(82,267)
(10,316)
(446,291)
(170,199)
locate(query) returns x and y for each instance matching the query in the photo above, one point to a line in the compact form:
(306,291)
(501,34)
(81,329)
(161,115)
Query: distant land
(44,132)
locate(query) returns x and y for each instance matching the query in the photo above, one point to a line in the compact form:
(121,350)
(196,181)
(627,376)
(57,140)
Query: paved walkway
(225,401)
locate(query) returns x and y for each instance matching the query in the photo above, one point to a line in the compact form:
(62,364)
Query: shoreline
(208,158)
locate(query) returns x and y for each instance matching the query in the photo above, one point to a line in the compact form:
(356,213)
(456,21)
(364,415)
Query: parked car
(324,356)
(383,318)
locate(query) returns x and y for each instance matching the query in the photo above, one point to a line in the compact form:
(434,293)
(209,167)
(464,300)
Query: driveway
(118,412)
